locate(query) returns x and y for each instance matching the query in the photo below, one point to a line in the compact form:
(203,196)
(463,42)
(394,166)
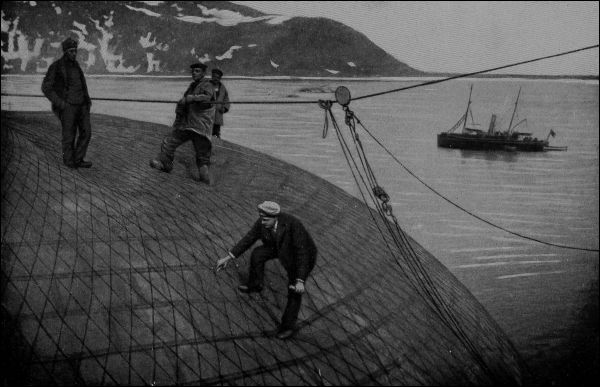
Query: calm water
(535,292)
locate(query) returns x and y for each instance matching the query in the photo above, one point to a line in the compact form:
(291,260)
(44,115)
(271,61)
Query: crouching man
(284,237)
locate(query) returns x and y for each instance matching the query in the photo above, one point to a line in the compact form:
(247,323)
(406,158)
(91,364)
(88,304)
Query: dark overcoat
(55,85)
(293,245)
(222,108)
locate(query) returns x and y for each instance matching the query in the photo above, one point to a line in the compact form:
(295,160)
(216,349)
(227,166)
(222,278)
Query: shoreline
(348,79)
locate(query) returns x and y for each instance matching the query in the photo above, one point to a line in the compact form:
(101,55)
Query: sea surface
(537,293)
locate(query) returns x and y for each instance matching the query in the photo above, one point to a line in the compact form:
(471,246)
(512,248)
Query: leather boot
(203,172)
(156,164)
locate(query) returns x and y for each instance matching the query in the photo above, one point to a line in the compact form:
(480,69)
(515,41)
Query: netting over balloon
(108,275)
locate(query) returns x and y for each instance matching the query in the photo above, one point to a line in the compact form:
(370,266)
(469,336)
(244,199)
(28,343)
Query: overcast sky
(465,37)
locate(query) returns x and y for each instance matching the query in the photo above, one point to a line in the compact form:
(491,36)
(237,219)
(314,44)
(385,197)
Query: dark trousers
(74,119)
(202,146)
(259,257)
(216,131)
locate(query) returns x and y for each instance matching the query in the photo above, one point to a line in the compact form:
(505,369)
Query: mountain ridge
(125,37)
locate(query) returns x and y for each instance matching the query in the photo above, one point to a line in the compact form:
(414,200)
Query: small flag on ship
(552,133)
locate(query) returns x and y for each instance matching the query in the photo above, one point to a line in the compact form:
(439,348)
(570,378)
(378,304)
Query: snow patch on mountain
(144,10)
(229,53)
(21,50)
(204,59)
(228,18)
(278,19)
(114,63)
(109,19)
(351,64)
(332,71)
(82,27)
(145,41)
(153,65)
(81,33)
(47,62)
(5,25)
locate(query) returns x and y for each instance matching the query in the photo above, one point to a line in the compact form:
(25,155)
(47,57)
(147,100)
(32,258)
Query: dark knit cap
(198,66)
(69,43)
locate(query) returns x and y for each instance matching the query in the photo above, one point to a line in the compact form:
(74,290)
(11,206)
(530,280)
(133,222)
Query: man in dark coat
(194,117)
(64,85)
(283,236)
(222,96)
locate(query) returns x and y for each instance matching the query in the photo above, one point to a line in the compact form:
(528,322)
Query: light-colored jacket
(193,112)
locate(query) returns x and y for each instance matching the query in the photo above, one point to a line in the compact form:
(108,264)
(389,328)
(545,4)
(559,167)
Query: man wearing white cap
(284,237)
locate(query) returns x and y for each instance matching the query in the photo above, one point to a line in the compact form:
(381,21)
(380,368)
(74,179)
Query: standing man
(222,96)
(194,121)
(64,85)
(283,236)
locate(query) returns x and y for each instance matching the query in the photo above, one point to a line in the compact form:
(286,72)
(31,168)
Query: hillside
(162,38)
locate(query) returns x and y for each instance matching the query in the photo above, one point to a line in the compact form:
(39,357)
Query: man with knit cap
(222,96)
(194,117)
(284,237)
(64,85)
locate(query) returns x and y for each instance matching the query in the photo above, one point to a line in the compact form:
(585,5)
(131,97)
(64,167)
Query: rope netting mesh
(107,274)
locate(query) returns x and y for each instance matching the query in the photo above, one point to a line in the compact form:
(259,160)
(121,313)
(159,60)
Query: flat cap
(198,66)
(269,208)
(69,43)
(217,71)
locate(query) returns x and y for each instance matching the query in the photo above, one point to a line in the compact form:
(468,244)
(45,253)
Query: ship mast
(467,112)
(514,111)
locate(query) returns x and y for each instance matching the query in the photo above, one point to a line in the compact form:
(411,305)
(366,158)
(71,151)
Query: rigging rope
(326,105)
(420,278)
(475,73)
(464,209)
(357,98)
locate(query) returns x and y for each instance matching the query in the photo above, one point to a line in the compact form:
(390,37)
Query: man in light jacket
(195,114)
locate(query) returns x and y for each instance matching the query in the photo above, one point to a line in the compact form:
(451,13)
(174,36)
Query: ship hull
(476,142)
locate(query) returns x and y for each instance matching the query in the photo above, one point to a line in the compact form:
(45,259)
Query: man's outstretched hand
(222,263)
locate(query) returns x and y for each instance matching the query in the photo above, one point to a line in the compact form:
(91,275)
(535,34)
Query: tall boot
(203,173)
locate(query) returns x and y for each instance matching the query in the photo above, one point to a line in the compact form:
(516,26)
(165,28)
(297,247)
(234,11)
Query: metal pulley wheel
(342,95)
